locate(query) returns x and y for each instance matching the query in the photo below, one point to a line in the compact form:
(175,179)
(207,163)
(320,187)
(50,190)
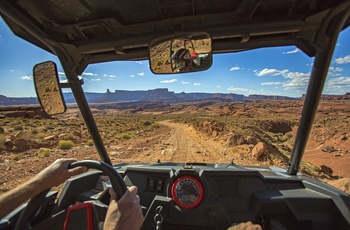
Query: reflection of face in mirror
(47,88)
(182,60)
(185,53)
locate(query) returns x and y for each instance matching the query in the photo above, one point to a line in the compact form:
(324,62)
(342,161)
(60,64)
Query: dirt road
(186,145)
(174,142)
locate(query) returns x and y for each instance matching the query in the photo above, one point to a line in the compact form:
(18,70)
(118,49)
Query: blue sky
(271,71)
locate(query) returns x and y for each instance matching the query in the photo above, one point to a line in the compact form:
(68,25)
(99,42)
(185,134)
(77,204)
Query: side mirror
(47,88)
(183,53)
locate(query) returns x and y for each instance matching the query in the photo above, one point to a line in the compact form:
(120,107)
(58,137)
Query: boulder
(51,137)
(326,170)
(236,139)
(21,145)
(37,116)
(8,144)
(77,133)
(259,150)
(30,114)
(252,140)
(328,149)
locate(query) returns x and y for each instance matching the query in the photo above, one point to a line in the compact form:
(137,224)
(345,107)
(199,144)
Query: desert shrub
(151,127)
(43,152)
(41,136)
(2,138)
(18,127)
(68,136)
(222,124)
(34,131)
(147,123)
(126,136)
(64,144)
(20,156)
(50,126)
(90,143)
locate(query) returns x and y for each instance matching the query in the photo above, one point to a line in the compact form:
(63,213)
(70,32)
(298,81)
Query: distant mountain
(328,97)
(272,97)
(18,100)
(162,94)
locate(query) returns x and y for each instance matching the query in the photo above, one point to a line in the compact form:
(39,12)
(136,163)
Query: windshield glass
(244,110)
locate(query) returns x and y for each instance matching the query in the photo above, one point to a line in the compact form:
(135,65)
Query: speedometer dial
(187,192)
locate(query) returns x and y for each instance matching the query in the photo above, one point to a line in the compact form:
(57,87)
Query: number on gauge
(187,192)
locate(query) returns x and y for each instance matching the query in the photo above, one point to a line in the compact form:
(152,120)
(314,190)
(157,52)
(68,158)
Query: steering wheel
(34,203)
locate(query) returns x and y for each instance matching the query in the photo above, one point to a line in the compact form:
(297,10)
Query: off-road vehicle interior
(173,195)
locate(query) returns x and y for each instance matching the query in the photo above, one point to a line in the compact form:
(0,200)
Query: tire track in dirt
(187,145)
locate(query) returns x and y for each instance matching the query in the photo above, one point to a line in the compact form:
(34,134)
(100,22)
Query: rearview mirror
(47,88)
(188,52)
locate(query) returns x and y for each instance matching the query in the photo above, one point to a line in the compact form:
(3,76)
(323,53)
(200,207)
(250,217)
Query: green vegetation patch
(90,143)
(64,144)
(44,152)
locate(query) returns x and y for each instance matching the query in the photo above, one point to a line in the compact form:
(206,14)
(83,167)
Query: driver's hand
(58,172)
(245,226)
(125,213)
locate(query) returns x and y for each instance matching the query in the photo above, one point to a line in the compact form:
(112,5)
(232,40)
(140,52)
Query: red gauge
(187,192)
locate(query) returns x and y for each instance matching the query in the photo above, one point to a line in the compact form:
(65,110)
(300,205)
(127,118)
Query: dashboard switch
(159,186)
(151,184)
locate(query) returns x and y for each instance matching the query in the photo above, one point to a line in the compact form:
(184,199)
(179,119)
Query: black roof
(92,31)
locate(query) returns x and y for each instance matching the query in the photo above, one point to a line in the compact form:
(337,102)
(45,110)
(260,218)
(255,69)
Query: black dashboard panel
(233,194)
(230,194)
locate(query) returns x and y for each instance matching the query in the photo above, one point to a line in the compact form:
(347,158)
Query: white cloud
(27,77)
(296,50)
(185,82)
(235,68)
(272,83)
(131,75)
(340,81)
(169,81)
(197,84)
(338,85)
(138,62)
(270,72)
(89,74)
(96,79)
(298,82)
(241,90)
(343,60)
(218,86)
(334,71)
(141,74)
(61,74)
(297,75)
(109,75)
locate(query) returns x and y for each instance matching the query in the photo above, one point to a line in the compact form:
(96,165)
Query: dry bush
(64,145)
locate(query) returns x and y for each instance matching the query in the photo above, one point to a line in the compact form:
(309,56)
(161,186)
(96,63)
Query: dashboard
(215,196)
